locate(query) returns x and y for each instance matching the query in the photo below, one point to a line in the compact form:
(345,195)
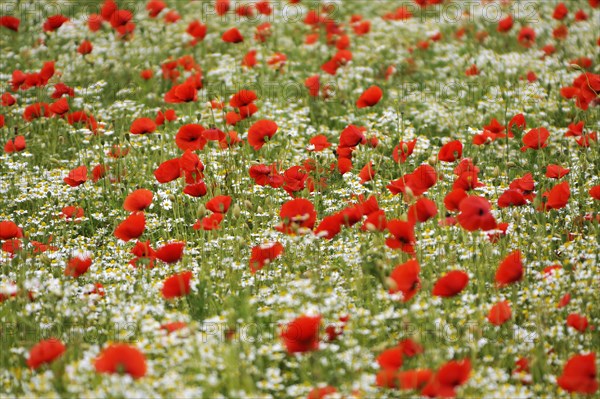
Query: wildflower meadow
(299,198)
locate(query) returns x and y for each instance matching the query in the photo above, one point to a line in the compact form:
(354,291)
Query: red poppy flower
(595,192)
(171,252)
(557,197)
(375,221)
(405,279)
(560,11)
(168,171)
(510,270)
(263,254)
(132,227)
(45,351)
(232,35)
(318,143)
(403,236)
(578,322)
(54,22)
(78,266)
(390,358)
(77,176)
(370,97)
(182,93)
(414,379)
(422,210)
(177,285)
(196,190)
(298,216)
(511,197)
(366,173)
(190,137)
(212,222)
(35,111)
(142,126)
(505,24)
(449,377)
(302,334)
(7,100)
(219,204)
(59,107)
(451,284)
(10,22)
(475,213)
(121,358)
(499,313)
(351,136)
(535,139)
(330,226)
(451,151)
(453,199)
(9,230)
(72,212)
(579,374)
(467,181)
(138,200)
(16,145)
(259,131)
(526,36)
(556,171)
(85,47)
(403,150)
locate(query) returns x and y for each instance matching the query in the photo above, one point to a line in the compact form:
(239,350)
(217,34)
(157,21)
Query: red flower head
(302,334)
(405,279)
(45,351)
(171,252)
(579,375)
(9,230)
(505,24)
(403,236)
(54,22)
(177,285)
(259,131)
(403,150)
(578,322)
(190,137)
(370,97)
(142,126)
(263,255)
(475,213)
(298,216)
(526,36)
(510,270)
(451,284)
(219,204)
(449,377)
(10,22)
(390,358)
(78,266)
(16,145)
(121,358)
(557,197)
(232,35)
(168,171)
(499,313)
(138,200)
(451,151)
(422,210)
(535,139)
(77,176)
(132,227)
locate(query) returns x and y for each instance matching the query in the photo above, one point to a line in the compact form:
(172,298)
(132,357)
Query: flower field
(299,198)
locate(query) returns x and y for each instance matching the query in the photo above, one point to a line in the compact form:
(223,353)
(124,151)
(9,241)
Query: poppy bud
(404,148)
(201,211)
(510,164)
(259,209)
(236,210)
(391,284)
(496,172)
(171,197)
(247,204)
(432,160)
